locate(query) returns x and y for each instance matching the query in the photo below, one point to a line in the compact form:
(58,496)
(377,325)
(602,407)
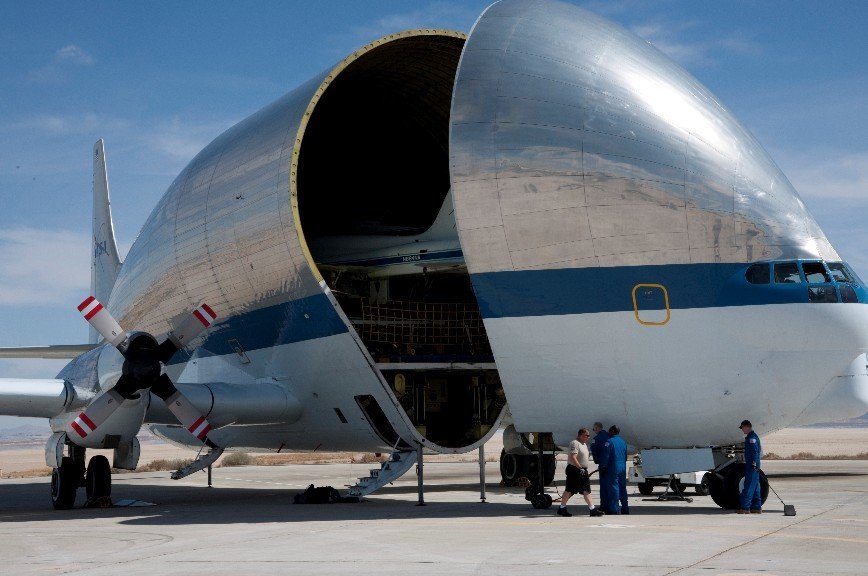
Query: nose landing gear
(98,480)
(725,485)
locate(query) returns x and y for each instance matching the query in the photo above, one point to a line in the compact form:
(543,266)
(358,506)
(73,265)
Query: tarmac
(247,524)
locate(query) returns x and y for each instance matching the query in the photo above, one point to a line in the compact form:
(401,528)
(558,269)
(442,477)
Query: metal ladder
(389,471)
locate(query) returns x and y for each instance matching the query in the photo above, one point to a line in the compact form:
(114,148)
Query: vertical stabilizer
(105,263)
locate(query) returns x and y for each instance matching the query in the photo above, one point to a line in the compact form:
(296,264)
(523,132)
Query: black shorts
(578,481)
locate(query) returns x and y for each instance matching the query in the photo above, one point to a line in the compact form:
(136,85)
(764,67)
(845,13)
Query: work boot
(564,512)
(743,511)
(596,512)
(755,511)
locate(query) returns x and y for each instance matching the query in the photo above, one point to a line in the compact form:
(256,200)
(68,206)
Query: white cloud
(43,266)
(55,71)
(667,37)
(834,185)
(82,123)
(161,146)
(663,38)
(74,55)
(830,175)
(180,140)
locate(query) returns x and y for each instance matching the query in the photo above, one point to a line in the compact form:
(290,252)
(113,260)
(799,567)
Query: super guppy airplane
(540,224)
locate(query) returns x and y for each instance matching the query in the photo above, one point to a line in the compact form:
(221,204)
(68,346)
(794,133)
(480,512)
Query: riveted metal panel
(227,230)
(576,143)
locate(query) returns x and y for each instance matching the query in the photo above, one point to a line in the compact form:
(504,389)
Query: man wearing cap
(751,497)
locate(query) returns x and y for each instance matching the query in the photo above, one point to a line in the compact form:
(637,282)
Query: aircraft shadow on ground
(814,474)
(191,505)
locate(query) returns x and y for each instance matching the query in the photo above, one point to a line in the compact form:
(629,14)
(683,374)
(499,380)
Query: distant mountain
(28,430)
(37,431)
(860,422)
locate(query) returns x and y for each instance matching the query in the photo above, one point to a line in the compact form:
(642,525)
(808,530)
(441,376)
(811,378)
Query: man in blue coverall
(616,469)
(600,438)
(751,497)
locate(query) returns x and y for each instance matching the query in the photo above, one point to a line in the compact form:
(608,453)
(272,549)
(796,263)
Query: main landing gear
(65,480)
(725,485)
(516,466)
(520,466)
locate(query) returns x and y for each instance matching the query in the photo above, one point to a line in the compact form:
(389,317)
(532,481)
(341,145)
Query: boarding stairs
(389,471)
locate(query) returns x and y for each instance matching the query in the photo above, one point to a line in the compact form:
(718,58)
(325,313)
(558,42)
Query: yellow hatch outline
(665,301)
(299,136)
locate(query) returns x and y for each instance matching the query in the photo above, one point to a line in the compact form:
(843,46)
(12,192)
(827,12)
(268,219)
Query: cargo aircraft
(540,224)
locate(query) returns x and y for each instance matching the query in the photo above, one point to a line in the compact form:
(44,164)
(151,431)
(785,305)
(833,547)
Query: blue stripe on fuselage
(610,289)
(294,321)
(523,293)
(413,258)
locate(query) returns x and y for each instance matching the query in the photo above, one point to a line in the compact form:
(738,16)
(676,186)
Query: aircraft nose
(851,327)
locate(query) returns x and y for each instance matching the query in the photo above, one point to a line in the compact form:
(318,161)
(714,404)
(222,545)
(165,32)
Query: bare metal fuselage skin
(588,171)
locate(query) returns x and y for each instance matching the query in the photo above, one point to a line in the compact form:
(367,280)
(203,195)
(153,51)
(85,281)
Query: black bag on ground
(317,495)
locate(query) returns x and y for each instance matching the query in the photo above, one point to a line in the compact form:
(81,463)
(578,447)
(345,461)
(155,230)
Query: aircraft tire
(677,486)
(541,501)
(736,482)
(645,488)
(717,491)
(550,465)
(726,492)
(513,467)
(98,480)
(64,484)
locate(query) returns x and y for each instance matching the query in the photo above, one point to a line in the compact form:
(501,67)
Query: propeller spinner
(142,369)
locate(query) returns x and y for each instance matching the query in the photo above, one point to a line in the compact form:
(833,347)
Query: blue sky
(159,80)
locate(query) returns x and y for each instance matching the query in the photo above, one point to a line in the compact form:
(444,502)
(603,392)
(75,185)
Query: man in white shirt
(578,479)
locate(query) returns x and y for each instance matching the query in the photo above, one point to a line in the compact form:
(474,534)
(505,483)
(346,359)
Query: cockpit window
(815,272)
(758,274)
(848,294)
(822,294)
(839,272)
(787,273)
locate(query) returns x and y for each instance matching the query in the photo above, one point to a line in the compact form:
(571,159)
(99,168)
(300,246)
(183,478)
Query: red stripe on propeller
(93,312)
(204,432)
(201,318)
(208,309)
(86,303)
(78,429)
(87,421)
(195,424)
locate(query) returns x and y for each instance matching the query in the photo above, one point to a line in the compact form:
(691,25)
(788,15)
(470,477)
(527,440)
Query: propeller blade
(103,322)
(190,327)
(179,405)
(95,414)
(99,410)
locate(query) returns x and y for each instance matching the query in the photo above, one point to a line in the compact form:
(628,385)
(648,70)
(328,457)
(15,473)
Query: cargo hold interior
(374,167)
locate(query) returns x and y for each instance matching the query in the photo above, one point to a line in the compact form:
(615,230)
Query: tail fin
(105,263)
(444,224)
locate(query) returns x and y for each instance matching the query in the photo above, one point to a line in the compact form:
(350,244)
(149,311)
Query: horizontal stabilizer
(57,351)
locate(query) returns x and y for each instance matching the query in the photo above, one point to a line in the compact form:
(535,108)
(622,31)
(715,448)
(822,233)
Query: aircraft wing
(57,351)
